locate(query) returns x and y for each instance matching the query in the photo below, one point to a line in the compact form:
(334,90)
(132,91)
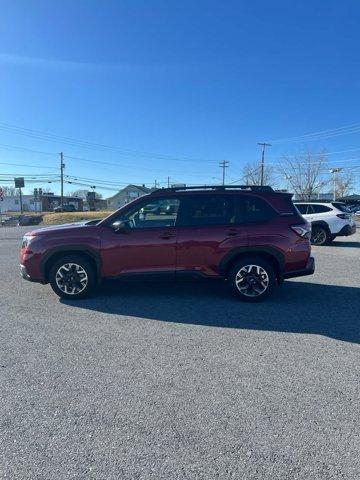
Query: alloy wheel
(252,280)
(318,236)
(71,278)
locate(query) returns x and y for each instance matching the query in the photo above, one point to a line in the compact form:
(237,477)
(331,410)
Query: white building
(12,204)
(126,195)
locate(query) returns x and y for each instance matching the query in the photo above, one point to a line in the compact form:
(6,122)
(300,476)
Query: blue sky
(175,86)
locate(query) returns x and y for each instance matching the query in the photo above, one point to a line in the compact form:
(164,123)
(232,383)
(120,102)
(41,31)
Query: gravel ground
(181,381)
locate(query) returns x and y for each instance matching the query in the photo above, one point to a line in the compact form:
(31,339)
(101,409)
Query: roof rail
(256,188)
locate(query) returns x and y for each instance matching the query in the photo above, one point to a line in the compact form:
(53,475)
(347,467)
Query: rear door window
(201,210)
(342,207)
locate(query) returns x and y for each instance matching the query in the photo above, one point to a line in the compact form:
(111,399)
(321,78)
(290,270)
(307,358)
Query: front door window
(157,213)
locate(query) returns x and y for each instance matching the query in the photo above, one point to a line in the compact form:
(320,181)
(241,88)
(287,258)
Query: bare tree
(9,191)
(343,185)
(252,174)
(303,171)
(82,194)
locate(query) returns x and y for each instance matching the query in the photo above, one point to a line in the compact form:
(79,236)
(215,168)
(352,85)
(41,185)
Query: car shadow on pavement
(344,244)
(297,307)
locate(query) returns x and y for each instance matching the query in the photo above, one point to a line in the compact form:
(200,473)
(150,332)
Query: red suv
(253,237)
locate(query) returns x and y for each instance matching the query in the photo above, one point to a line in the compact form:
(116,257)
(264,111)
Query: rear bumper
(309,270)
(346,231)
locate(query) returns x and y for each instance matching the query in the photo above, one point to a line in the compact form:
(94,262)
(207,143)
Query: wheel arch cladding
(57,253)
(321,223)
(274,257)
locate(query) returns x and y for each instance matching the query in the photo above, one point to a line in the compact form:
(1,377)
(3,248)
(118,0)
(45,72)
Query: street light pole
(334,171)
(62,166)
(288,181)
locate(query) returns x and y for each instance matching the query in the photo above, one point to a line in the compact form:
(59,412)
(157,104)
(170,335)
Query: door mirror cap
(120,226)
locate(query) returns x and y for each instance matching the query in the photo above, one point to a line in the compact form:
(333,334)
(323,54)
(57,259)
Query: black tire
(319,235)
(262,272)
(331,238)
(76,279)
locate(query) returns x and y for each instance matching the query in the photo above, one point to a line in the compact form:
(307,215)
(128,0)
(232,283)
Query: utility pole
(21,202)
(62,166)
(334,171)
(263,145)
(224,164)
(168,182)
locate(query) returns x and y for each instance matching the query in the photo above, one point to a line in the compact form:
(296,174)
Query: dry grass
(70,217)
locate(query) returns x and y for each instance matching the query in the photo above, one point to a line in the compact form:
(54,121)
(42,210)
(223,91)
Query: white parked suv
(328,220)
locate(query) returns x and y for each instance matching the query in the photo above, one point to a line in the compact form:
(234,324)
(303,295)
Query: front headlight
(27,239)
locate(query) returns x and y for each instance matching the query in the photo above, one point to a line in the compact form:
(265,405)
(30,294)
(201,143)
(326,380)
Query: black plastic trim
(230,256)
(68,249)
(309,270)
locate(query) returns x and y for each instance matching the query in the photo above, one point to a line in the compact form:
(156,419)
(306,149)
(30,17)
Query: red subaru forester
(253,237)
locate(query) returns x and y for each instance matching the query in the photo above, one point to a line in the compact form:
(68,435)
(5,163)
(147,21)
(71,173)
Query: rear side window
(305,208)
(321,209)
(302,207)
(208,210)
(342,207)
(254,210)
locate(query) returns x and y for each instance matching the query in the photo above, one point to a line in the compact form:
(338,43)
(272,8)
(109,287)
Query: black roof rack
(256,188)
(317,200)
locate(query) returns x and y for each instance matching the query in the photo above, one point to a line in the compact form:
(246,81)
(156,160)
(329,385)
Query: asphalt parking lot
(181,381)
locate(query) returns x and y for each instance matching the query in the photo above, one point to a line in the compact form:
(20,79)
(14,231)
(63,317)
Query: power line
(15,147)
(345,130)
(121,165)
(89,145)
(24,165)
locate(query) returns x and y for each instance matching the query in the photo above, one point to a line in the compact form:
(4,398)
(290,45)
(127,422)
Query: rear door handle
(232,233)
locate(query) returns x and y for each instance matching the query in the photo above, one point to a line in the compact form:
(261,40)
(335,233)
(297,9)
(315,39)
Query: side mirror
(121,226)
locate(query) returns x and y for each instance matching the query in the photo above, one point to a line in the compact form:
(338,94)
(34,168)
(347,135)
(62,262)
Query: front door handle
(166,235)
(232,233)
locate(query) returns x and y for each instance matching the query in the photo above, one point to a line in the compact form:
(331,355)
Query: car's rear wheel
(252,279)
(319,235)
(72,277)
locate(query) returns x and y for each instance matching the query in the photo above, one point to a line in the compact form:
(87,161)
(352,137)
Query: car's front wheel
(72,277)
(252,279)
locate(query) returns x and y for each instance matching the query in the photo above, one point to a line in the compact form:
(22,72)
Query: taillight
(344,216)
(303,230)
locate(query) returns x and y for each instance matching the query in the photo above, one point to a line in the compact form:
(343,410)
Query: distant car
(10,221)
(65,208)
(328,220)
(27,220)
(355,209)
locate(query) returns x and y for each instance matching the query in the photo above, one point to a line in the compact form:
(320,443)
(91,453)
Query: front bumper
(25,275)
(346,231)
(308,270)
